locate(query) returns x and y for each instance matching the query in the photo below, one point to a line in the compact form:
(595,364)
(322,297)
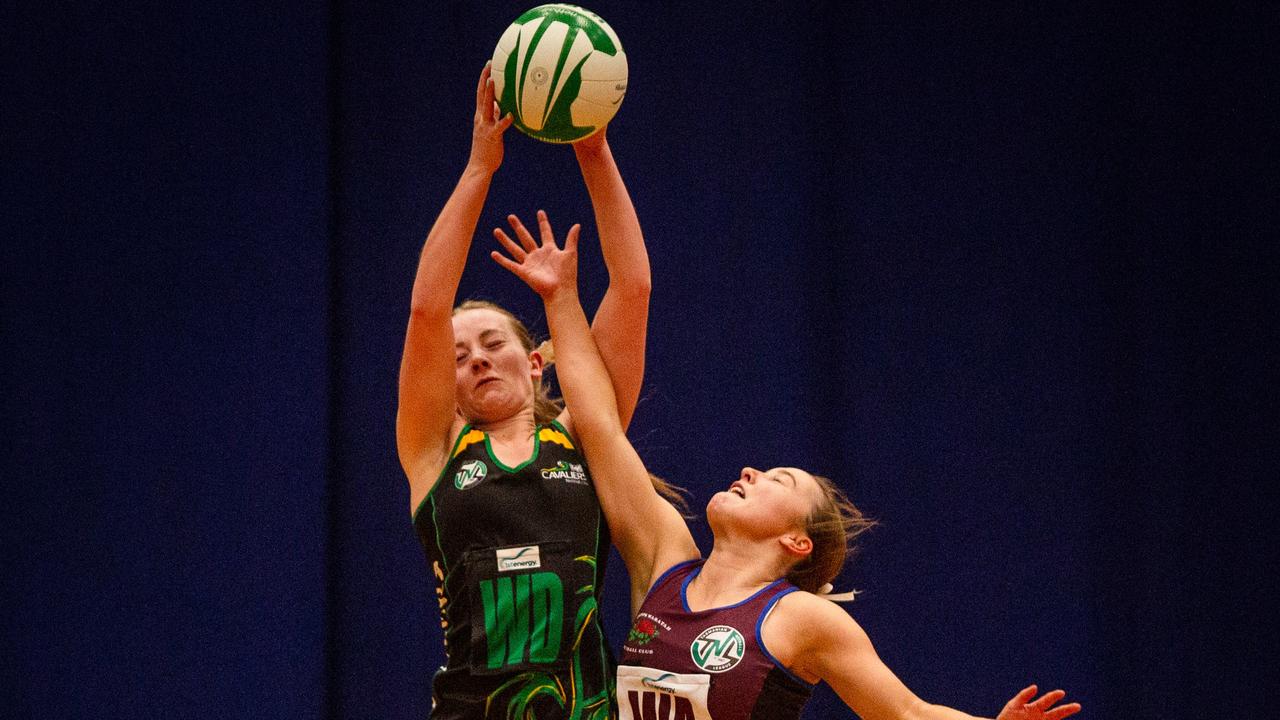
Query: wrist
(479,170)
(561,296)
(591,151)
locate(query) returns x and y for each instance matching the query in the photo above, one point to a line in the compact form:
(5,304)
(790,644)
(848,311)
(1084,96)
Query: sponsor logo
(655,683)
(642,632)
(469,474)
(520,558)
(718,648)
(568,472)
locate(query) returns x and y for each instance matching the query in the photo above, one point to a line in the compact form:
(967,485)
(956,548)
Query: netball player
(501,497)
(741,634)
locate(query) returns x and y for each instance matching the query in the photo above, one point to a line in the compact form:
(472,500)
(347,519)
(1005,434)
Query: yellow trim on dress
(471,438)
(555,436)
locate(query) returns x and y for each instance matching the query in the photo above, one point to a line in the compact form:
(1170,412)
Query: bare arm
(621,322)
(831,646)
(427,399)
(650,534)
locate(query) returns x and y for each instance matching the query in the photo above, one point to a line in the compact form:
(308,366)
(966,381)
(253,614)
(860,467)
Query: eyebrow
(483,336)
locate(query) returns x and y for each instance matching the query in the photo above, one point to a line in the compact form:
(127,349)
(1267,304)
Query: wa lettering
(646,705)
(523,618)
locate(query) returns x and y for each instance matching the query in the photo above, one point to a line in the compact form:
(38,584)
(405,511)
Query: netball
(560,71)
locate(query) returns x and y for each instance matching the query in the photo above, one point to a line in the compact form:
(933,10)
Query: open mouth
(738,490)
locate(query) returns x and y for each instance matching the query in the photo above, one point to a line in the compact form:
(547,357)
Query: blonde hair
(833,524)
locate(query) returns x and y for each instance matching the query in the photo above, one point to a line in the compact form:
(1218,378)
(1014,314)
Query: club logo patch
(519,558)
(568,472)
(718,648)
(642,632)
(469,474)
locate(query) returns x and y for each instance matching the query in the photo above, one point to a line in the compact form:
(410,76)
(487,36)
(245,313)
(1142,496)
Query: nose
(479,361)
(749,474)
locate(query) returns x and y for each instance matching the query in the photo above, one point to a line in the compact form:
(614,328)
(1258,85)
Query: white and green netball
(560,71)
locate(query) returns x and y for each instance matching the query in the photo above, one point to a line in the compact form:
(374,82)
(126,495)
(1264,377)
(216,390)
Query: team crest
(469,474)
(642,632)
(718,648)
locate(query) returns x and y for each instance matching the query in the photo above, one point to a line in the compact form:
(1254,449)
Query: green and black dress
(518,554)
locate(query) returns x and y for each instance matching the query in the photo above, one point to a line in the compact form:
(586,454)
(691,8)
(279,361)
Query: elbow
(632,289)
(429,309)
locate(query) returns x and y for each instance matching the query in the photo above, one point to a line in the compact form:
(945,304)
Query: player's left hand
(1024,707)
(544,267)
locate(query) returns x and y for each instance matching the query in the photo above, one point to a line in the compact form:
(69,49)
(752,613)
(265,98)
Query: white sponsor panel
(519,558)
(646,692)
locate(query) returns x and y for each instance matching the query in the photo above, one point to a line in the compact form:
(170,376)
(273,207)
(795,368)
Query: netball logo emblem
(718,648)
(470,474)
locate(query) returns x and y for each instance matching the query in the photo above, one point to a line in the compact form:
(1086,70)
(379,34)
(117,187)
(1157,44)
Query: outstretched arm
(621,322)
(649,532)
(427,399)
(831,646)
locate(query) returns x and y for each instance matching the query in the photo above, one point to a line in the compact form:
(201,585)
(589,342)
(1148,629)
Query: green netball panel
(539,66)
(602,36)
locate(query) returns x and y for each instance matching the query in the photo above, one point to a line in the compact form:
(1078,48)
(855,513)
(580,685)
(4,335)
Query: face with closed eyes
(764,504)
(494,373)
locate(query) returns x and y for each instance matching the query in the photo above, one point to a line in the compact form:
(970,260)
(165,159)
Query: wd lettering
(718,648)
(647,705)
(523,616)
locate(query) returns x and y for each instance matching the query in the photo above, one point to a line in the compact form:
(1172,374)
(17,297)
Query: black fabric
(782,698)
(517,552)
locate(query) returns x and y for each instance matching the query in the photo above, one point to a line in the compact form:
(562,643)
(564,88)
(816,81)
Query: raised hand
(544,267)
(1023,707)
(488,125)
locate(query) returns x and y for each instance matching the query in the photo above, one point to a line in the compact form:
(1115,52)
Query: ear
(535,364)
(798,545)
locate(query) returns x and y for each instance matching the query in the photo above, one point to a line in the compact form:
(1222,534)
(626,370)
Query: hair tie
(825,593)
(548,353)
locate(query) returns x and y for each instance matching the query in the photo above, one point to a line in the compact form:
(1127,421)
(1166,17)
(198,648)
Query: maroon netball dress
(678,664)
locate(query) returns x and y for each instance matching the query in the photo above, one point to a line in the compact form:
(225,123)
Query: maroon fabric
(722,642)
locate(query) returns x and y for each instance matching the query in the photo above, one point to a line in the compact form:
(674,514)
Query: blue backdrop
(1004,271)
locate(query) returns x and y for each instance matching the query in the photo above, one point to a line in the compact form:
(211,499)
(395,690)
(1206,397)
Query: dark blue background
(1004,271)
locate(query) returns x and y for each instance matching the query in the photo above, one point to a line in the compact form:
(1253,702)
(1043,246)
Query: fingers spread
(1060,712)
(516,251)
(505,262)
(571,240)
(1022,698)
(1048,700)
(522,233)
(544,228)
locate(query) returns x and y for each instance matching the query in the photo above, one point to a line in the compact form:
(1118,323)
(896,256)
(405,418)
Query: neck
(732,573)
(512,429)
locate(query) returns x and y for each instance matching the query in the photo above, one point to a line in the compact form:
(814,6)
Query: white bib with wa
(645,693)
